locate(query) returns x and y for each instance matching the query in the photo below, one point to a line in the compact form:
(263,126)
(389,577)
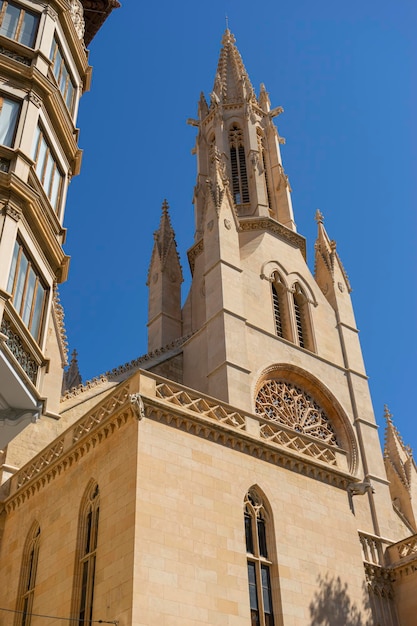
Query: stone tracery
(283,402)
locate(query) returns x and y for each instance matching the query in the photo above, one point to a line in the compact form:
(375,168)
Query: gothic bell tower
(258,329)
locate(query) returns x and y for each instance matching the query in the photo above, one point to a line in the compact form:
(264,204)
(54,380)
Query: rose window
(289,405)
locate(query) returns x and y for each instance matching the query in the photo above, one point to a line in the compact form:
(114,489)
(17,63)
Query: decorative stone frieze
(274,227)
(77,15)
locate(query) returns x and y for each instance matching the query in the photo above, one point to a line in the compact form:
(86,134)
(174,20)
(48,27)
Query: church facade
(233,475)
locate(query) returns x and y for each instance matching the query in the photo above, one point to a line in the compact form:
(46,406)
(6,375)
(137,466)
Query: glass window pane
(41,158)
(58,63)
(37,311)
(35,143)
(10,20)
(55,189)
(13,268)
(70,95)
(8,120)
(53,50)
(253,596)
(63,81)
(20,284)
(248,533)
(30,290)
(28,30)
(262,538)
(47,177)
(266,590)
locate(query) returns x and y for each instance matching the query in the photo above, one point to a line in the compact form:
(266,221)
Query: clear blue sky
(345,74)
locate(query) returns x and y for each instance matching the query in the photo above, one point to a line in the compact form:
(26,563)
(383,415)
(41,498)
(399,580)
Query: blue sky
(345,74)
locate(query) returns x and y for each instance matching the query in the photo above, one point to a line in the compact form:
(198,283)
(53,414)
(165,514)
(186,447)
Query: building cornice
(181,408)
(275,228)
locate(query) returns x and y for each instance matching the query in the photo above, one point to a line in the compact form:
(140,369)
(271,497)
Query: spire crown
(232,82)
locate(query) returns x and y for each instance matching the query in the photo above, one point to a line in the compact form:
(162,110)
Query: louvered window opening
(240,185)
(268,193)
(277,312)
(299,322)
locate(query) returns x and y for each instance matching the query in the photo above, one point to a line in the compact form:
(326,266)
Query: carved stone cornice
(237,439)
(272,226)
(194,252)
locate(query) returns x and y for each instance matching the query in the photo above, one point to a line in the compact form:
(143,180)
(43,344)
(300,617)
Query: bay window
(17,23)
(62,75)
(47,168)
(28,292)
(9,114)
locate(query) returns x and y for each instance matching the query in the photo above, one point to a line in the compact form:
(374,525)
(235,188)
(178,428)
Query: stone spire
(232,82)
(401,472)
(329,271)
(72,377)
(164,282)
(165,236)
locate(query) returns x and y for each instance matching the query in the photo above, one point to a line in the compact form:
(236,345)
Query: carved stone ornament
(51,12)
(77,15)
(283,402)
(15,214)
(137,405)
(227,224)
(35,99)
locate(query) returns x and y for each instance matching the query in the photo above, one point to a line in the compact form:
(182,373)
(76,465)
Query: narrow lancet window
(86,556)
(28,577)
(240,186)
(280,307)
(302,319)
(259,565)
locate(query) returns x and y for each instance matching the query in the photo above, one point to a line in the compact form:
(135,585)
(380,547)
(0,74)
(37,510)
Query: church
(231,476)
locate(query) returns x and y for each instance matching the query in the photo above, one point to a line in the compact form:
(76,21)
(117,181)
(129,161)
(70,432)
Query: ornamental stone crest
(77,15)
(283,402)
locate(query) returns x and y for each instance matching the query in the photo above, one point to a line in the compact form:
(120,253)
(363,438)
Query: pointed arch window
(302,319)
(280,306)
(28,577)
(240,186)
(258,561)
(86,556)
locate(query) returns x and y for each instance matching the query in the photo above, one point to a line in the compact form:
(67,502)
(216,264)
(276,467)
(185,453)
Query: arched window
(302,319)
(258,559)
(240,187)
(86,555)
(28,577)
(280,307)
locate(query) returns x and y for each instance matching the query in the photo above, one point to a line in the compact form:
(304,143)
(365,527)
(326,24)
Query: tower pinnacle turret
(164,282)
(240,127)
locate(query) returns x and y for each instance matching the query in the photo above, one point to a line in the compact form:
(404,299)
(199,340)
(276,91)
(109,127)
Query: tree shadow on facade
(332,606)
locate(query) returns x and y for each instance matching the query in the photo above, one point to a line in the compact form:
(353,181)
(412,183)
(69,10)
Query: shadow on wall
(332,606)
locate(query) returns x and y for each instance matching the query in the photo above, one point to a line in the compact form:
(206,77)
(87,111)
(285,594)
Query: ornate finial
(319,217)
(228,37)
(72,377)
(227,22)
(165,206)
(387,414)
